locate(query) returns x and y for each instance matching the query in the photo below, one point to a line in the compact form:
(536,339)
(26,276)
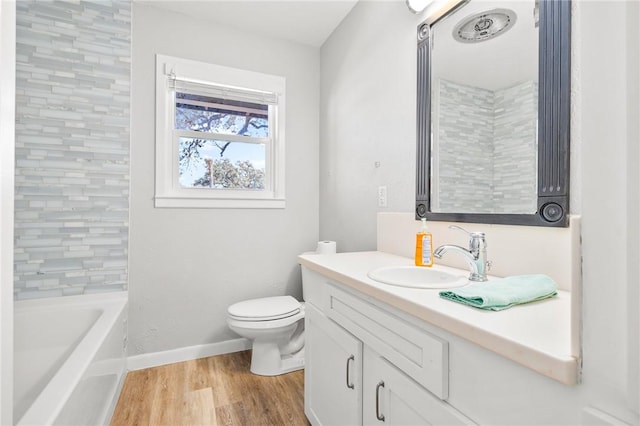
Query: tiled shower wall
(73,62)
(515,151)
(465,149)
(489,137)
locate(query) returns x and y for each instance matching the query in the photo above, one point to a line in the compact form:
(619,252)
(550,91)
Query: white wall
(188,265)
(367,114)
(633,194)
(7,148)
(608,96)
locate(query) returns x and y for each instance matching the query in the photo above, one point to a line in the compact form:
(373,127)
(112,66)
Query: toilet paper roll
(326,247)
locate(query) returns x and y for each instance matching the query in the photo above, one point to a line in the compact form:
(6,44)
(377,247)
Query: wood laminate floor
(217,390)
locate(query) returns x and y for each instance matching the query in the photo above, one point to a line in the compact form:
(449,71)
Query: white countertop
(536,335)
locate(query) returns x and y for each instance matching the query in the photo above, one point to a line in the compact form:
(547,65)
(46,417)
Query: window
(219,136)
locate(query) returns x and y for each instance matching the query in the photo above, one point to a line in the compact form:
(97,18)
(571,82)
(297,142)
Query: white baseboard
(138,362)
(593,416)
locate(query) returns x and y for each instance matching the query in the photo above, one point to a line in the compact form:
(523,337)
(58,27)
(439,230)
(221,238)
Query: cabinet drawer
(419,354)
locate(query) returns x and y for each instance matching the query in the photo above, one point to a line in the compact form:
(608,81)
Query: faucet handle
(477,240)
(460,228)
(471,234)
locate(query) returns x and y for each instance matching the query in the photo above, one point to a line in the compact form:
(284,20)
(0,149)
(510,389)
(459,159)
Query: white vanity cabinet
(440,362)
(333,372)
(365,365)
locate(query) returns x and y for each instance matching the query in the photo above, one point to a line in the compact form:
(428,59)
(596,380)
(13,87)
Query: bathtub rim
(50,402)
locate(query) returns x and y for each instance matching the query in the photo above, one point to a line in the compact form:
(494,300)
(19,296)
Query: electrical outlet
(382,196)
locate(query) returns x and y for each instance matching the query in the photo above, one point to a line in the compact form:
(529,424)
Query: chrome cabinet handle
(378,415)
(350,385)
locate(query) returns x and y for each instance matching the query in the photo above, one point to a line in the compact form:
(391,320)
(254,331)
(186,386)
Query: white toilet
(276,327)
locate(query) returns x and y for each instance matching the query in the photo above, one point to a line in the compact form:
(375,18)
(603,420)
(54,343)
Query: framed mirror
(493,104)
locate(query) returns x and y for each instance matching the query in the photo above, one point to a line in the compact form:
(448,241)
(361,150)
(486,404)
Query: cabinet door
(393,398)
(333,372)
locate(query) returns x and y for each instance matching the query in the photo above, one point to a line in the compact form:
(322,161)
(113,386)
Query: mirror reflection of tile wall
(486,148)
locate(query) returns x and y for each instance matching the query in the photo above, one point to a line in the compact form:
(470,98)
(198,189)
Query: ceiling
(492,64)
(308,22)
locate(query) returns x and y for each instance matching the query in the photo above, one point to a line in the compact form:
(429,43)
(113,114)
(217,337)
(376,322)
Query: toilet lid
(265,309)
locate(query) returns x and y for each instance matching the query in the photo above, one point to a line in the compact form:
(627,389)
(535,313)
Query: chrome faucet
(476,256)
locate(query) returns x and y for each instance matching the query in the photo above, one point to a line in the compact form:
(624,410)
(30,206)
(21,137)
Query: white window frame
(168,191)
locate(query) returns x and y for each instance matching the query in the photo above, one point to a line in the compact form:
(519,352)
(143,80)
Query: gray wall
(367,117)
(72,147)
(189,265)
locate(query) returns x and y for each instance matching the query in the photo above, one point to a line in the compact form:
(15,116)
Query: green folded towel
(503,293)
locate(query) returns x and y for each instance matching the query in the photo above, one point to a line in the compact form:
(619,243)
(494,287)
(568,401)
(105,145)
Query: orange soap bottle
(424,246)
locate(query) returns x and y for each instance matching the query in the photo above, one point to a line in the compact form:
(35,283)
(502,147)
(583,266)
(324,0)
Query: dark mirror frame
(554,89)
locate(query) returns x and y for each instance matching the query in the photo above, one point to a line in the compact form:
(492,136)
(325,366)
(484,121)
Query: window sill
(219,203)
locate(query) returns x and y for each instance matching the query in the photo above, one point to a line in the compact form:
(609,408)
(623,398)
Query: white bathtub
(69,360)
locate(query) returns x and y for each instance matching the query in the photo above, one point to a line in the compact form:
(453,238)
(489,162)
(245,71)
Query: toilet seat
(264,309)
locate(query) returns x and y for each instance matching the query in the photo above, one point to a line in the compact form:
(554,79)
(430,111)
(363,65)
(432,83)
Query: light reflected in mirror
(484,109)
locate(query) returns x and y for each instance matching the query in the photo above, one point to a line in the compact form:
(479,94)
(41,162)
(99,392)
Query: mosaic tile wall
(465,133)
(490,139)
(515,153)
(72,147)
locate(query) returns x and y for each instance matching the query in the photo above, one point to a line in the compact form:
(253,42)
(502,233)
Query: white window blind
(222,91)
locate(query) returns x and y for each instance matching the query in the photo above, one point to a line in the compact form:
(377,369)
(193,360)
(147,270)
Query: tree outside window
(212,160)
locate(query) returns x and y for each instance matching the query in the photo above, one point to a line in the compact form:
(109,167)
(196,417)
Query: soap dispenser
(424,246)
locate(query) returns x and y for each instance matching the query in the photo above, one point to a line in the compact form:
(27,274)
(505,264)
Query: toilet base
(267,361)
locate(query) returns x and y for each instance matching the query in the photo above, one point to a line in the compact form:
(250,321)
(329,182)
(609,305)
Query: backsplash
(73,62)
(512,249)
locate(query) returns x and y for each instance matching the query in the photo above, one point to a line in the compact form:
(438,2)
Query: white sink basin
(417,277)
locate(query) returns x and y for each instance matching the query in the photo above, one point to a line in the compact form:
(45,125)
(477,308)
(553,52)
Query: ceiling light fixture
(417,6)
